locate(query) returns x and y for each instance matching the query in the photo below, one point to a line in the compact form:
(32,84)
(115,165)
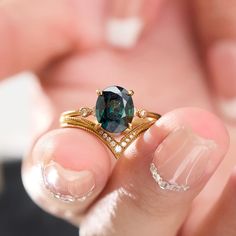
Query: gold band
(84,118)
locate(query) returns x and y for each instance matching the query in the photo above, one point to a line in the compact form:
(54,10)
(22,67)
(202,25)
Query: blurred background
(15,104)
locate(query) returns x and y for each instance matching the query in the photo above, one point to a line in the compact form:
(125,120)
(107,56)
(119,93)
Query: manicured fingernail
(228,108)
(123,32)
(222,65)
(181,160)
(125,23)
(68,185)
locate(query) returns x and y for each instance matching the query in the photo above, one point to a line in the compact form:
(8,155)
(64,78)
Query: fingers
(65,172)
(33,32)
(216,27)
(128,19)
(221,219)
(152,187)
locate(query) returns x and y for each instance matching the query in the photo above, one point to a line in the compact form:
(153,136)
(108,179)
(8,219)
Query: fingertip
(221,60)
(128,21)
(75,150)
(202,122)
(66,166)
(215,24)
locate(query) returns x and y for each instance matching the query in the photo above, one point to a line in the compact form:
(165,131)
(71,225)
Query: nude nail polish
(123,33)
(222,66)
(181,160)
(125,23)
(228,108)
(68,185)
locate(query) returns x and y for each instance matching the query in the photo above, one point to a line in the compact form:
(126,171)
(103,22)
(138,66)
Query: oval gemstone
(115,109)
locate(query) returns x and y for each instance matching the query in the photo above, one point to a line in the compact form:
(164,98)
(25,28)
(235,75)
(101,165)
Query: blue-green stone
(114,109)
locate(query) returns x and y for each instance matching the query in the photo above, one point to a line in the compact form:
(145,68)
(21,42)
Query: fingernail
(68,185)
(125,23)
(228,108)
(222,65)
(181,160)
(123,32)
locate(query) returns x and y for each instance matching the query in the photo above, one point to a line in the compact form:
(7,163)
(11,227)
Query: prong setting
(130,92)
(99,92)
(130,126)
(98,126)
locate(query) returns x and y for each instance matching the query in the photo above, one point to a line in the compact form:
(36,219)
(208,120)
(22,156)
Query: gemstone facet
(115,109)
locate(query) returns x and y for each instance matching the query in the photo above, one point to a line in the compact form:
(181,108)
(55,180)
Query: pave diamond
(113,143)
(118,149)
(164,184)
(123,144)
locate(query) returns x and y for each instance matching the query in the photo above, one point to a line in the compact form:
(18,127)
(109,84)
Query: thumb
(180,163)
(216,27)
(33,32)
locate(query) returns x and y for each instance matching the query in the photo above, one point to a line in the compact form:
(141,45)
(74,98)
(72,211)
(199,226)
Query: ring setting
(114,119)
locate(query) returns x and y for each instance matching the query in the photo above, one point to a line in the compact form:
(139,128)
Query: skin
(167,55)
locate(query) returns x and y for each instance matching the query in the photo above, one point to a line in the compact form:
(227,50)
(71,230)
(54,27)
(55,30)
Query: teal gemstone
(114,109)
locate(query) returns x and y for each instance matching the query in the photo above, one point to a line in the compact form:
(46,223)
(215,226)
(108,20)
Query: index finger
(33,32)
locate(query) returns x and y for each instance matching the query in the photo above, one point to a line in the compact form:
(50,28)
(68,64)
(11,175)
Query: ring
(114,119)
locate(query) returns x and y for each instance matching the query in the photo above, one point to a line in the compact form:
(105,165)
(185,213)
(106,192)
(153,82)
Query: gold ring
(114,120)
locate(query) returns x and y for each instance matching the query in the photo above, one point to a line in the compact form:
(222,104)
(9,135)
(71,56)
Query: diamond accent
(104,135)
(84,111)
(113,143)
(165,184)
(123,144)
(118,149)
(142,113)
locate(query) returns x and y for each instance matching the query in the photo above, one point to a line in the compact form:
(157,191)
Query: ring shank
(153,115)
(80,119)
(85,112)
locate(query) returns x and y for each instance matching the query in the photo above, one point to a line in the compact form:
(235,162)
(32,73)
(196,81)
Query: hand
(131,203)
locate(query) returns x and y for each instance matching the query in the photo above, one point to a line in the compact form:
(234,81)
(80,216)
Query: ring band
(114,115)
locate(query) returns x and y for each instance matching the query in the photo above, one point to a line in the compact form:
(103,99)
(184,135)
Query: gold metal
(99,93)
(84,118)
(130,126)
(144,114)
(98,126)
(131,92)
